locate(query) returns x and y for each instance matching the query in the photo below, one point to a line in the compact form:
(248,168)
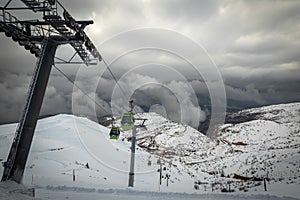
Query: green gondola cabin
(114,133)
(127,122)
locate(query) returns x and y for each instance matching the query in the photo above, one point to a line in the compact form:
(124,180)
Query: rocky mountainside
(260,143)
(169,139)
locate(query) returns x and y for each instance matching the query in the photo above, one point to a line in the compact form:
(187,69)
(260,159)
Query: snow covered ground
(266,146)
(13,191)
(64,143)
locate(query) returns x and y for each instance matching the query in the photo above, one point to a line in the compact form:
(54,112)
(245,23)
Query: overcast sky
(254,45)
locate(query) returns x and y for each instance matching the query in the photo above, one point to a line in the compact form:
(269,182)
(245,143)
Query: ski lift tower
(54,26)
(133,144)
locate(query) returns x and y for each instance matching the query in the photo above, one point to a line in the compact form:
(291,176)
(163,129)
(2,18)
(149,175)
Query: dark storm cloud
(13,91)
(255,44)
(178,11)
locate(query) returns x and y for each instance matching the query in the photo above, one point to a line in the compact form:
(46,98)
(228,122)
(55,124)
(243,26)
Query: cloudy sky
(171,56)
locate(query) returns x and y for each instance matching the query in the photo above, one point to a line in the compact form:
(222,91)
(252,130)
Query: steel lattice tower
(41,37)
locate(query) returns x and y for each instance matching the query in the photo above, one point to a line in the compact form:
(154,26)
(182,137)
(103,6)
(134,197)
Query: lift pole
(15,165)
(132,157)
(41,37)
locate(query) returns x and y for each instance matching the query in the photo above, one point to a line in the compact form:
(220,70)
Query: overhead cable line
(114,77)
(69,79)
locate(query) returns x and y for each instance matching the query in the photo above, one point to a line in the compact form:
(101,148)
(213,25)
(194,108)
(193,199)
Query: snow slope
(273,141)
(11,190)
(265,146)
(64,143)
(169,139)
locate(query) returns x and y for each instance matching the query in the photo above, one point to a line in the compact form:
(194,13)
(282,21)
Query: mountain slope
(64,143)
(169,139)
(260,143)
(264,146)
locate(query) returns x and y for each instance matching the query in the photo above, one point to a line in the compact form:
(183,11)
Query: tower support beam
(132,157)
(15,165)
